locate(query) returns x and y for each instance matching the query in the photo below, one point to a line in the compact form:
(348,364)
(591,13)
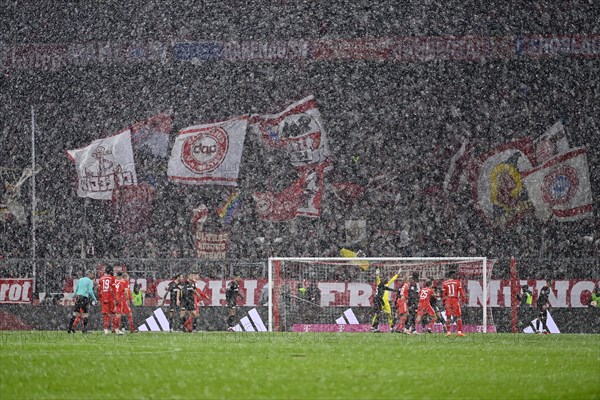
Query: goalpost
(336,294)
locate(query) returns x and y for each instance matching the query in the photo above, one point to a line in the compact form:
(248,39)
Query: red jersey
(404,290)
(452,289)
(122,291)
(106,288)
(425,295)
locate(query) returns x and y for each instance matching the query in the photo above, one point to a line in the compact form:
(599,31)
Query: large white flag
(298,130)
(208,154)
(560,188)
(103,165)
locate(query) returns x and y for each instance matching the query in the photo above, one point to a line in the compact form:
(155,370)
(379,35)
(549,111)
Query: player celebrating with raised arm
(106,293)
(381,302)
(83,292)
(231,295)
(424,307)
(452,296)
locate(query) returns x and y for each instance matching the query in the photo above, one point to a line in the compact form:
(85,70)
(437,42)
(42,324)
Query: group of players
(413,303)
(185,298)
(114,294)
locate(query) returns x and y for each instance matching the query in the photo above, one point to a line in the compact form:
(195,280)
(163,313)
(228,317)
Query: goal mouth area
(311,292)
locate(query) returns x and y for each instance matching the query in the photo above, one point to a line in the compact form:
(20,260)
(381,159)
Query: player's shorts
(81,304)
(108,307)
(453,308)
(425,308)
(122,307)
(187,305)
(402,306)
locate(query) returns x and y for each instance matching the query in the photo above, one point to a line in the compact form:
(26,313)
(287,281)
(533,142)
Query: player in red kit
(452,295)
(123,299)
(106,293)
(402,307)
(424,307)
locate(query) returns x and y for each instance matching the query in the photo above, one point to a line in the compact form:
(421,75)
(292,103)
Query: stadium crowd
(390,128)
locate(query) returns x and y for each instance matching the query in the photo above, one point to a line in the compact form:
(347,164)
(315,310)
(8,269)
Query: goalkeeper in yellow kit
(381,301)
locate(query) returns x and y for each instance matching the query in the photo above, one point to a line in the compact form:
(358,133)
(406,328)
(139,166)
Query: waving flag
(560,188)
(152,134)
(552,142)
(496,180)
(298,130)
(103,165)
(231,206)
(208,154)
(282,206)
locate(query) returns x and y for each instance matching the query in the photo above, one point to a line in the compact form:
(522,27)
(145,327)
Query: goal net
(336,294)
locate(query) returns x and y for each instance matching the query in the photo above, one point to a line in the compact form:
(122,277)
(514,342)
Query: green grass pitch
(220,365)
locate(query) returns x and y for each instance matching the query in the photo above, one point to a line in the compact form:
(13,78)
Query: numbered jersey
(106,288)
(452,289)
(425,295)
(122,292)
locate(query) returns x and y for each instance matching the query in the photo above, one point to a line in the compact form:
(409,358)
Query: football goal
(336,294)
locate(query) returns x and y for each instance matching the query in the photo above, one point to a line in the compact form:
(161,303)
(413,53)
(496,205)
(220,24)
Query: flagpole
(33,200)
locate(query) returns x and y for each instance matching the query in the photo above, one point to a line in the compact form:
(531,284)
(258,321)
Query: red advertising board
(16,290)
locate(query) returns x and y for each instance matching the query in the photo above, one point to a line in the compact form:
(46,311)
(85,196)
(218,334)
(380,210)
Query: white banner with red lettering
(208,154)
(572,293)
(16,290)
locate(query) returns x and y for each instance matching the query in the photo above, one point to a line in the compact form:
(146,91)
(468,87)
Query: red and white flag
(551,143)
(298,130)
(560,188)
(103,165)
(461,155)
(302,198)
(496,180)
(152,134)
(282,206)
(208,154)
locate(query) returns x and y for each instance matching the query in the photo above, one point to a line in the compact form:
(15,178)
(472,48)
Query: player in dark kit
(173,289)
(231,296)
(543,304)
(186,303)
(413,302)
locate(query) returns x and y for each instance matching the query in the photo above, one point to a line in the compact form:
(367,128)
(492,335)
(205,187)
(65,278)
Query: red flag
(132,208)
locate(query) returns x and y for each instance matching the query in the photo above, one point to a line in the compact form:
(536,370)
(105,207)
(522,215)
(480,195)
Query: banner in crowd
(302,198)
(16,290)
(298,130)
(103,165)
(552,142)
(212,246)
(568,293)
(282,206)
(132,208)
(152,134)
(560,188)
(227,211)
(497,182)
(356,231)
(459,161)
(208,154)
